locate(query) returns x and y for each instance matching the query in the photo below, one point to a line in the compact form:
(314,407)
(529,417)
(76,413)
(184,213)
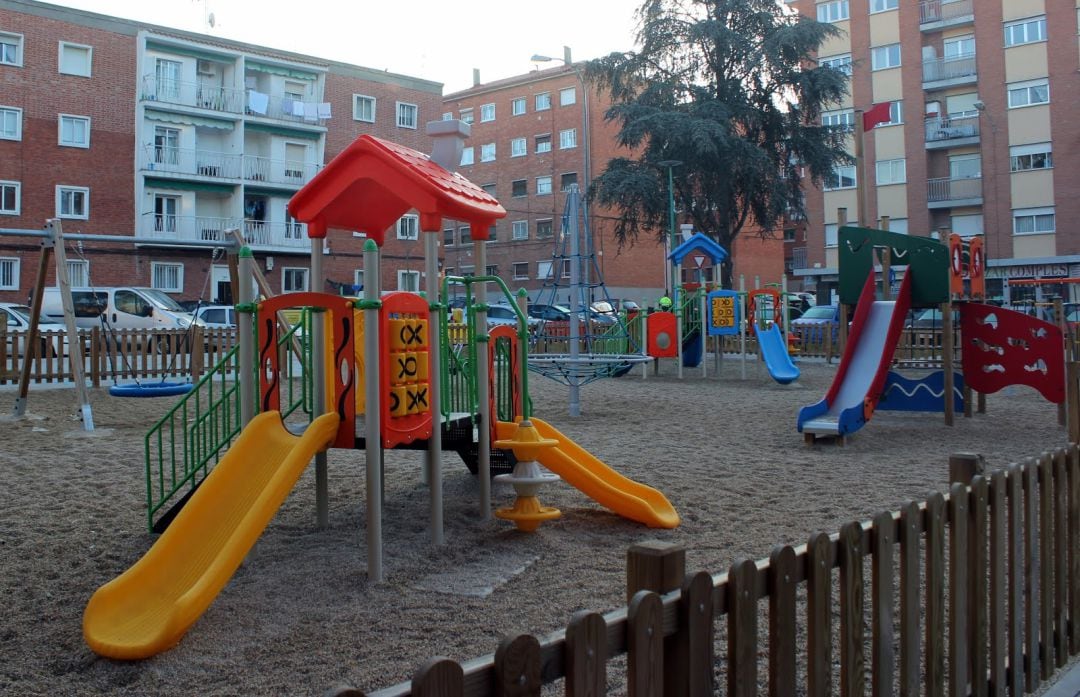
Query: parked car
(629,306)
(930,318)
(53,341)
(125,308)
(501,313)
(813,323)
(216,316)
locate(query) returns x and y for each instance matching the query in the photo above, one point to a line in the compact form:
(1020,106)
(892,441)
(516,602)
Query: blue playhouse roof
(702,244)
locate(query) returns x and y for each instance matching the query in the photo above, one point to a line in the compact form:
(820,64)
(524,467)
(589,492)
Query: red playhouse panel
(373,182)
(977,268)
(405,368)
(1004,347)
(340,316)
(759,316)
(956,265)
(662,335)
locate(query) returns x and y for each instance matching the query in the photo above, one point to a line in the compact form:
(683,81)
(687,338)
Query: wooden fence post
(95,357)
(964,466)
(198,338)
(659,567)
(517,666)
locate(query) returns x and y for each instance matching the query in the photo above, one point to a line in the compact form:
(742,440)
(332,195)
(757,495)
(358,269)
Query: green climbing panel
(926,260)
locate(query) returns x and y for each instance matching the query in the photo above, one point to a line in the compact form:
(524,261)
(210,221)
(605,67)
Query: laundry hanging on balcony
(258,102)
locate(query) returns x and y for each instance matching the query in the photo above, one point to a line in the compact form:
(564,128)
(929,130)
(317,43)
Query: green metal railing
(185,444)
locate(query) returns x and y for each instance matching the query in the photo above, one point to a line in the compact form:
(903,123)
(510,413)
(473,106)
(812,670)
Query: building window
(519,147)
(834,11)
(78,273)
(567,180)
(543,270)
(10,49)
(543,101)
(10,198)
(544,229)
(1023,94)
(883,5)
(493,233)
(965,166)
(568,139)
(843,119)
(74,131)
(967,225)
(567,96)
(406,115)
(408,280)
(10,123)
(1024,158)
(959,47)
(408,227)
(517,106)
(840,62)
(842,177)
(1026,31)
(75,59)
(448,116)
(363,108)
(465,234)
(519,187)
(467,156)
(898,225)
(521,270)
(543,185)
(884,57)
(519,230)
(468,270)
(1033,221)
(72,202)
(466,116)
(166,145)
(487,112)
(294,280)
(165,210)
(168,277)
(896,114)
(487,152)
(831,230)
(9,273)
(891,172)
(448,237)
(566,268)
(489,189)
(543,143)
(358,280)
(491,270)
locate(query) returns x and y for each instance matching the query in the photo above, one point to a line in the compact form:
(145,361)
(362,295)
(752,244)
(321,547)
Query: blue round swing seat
(157,389)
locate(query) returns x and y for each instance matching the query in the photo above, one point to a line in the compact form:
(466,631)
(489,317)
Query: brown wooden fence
(124,355)
(973,593)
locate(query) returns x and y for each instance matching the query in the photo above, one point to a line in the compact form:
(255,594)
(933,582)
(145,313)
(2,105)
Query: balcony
(287,172)
(175,230)
(940,73)
(935,15)
(288,109)
(946,192)
(951,132)
(193,94)
(191,163)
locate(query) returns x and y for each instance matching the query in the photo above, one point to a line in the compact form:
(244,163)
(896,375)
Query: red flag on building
(879,113)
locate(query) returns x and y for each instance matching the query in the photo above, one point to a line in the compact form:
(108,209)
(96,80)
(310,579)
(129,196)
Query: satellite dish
(210,20)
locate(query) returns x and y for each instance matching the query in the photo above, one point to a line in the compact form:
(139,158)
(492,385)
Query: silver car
(53,341)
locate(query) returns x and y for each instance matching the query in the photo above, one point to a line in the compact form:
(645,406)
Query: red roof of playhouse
(373,182)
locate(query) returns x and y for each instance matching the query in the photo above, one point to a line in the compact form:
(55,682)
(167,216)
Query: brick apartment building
(171,138)
(979,140)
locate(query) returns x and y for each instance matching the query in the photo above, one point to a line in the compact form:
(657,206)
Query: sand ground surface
(300,615)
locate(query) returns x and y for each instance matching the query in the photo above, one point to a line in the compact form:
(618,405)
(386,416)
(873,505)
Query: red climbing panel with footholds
(1004,347)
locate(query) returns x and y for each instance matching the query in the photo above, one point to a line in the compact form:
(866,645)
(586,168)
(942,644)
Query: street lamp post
(669,266)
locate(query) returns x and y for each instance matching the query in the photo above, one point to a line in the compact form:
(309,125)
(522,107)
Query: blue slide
(775,352)
(691,349)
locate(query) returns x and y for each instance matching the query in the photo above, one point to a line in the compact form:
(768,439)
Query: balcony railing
(293,172)
(225,99)
(951,68)
(178,229)
(944,10)
(946,128)
(288,109)
(947,189)
(199,163)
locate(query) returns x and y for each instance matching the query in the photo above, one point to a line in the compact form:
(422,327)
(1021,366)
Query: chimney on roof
(476,77)
(448,141)
(566,55)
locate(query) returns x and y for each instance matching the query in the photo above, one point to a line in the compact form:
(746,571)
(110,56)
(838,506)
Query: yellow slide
(149,607)
(599,482)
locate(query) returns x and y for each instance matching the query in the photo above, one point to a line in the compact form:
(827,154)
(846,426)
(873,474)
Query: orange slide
(585,472)
(148,608)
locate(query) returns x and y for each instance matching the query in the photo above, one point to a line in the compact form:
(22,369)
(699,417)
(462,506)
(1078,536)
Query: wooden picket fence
(972,593)
(124,354)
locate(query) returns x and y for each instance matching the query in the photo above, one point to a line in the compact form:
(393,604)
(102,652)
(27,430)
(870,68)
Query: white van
(123,308)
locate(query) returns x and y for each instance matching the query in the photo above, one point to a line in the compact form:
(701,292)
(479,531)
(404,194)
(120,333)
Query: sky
(440,41)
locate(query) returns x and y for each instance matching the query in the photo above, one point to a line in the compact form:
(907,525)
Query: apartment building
(979,136)
(533,136)
(173,138)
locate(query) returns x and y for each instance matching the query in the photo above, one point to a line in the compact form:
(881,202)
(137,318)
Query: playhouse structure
(379,372)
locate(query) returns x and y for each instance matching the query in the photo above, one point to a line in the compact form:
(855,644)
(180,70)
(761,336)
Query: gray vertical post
(372,435)
(576,311)
(644,319)
(744,323)
(483,384)
(318,376)
(246,336)
(704,336)
(434,451)
(523,358)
